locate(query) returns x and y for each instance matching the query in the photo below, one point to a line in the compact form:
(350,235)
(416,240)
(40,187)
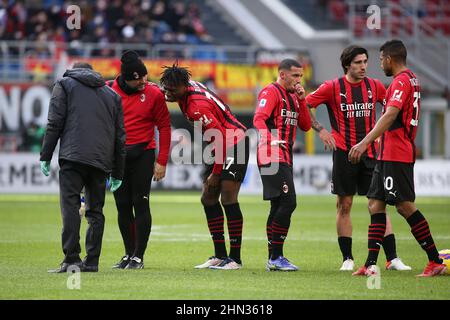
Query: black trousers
(133,201)
(73,177)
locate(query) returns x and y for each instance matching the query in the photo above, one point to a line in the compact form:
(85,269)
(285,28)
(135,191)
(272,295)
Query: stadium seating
(106,22)
(432,18)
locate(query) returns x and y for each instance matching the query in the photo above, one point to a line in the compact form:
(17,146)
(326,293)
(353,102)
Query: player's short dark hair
(350,53)
(175,76)
(287,64)
(82,65)
(395,49)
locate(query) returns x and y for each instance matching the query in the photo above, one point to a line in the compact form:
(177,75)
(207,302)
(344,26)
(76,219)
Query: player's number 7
(228,163)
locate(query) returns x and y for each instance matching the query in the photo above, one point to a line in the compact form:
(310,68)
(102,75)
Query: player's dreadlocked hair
(175,76)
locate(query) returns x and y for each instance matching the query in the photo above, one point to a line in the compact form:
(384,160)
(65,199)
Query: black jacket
(87,117)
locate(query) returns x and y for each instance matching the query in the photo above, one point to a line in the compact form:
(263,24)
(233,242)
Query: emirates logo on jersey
(290,117)
(356,106)
(142,97)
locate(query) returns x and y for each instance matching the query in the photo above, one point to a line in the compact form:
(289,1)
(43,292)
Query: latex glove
(45,168)
(115,184)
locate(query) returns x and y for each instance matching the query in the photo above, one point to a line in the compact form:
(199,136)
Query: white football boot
(227,264)
(348,265)
(212,261)
(397,264)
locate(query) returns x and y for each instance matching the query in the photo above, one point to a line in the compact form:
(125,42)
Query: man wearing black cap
(144,107)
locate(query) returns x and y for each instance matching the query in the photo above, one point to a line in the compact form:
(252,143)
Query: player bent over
(223,178)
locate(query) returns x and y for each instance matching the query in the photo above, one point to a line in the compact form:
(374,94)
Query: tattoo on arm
(316,125)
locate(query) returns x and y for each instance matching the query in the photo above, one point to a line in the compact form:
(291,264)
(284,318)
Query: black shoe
(122,263)
(135,263)
(88,268)
(65,266)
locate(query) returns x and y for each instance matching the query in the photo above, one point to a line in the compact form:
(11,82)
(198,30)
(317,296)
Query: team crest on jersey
(142,97)
(285,187)
(262,103)
(369,94)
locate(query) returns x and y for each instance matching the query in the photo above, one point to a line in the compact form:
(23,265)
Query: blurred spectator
(16,16)
(103,22)
(32,138)
(3,17)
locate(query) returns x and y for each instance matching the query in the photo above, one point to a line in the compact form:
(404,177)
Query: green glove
(115,184)
(45,168)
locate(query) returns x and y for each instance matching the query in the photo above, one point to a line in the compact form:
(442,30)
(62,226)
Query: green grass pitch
(30,227)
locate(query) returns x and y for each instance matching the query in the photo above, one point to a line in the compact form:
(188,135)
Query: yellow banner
(237,84)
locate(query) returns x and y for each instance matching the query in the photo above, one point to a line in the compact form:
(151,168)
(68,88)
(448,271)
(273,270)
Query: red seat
(446,10)
(431,10)
(338,10)
(395,8)
(445,26)
(408,25)
(395,26)
(359,24)
(429,25)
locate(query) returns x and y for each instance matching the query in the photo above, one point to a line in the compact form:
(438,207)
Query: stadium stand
(402,18)
(119,21)
(36,45)
(322,14)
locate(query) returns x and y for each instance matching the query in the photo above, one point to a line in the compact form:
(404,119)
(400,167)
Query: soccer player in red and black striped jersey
(351,103)
(223,178)
(144,107)
(281,109)
(393,178)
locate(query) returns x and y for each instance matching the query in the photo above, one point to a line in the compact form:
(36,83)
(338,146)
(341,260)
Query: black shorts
(236,162)
(392,182)
(348,178)
(280,183)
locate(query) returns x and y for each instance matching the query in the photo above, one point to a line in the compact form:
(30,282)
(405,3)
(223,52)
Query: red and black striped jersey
(202,106)
(351,109)
(277,117)
(397,143)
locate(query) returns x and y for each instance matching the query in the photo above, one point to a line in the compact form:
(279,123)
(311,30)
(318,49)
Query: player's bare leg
(343,219)
(388,226)
(344,230)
